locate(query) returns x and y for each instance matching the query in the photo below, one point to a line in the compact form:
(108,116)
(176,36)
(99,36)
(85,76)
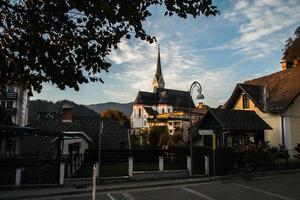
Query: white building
(15,100)
(161,100)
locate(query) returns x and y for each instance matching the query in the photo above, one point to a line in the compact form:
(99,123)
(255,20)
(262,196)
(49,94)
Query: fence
(28,171)
(116,162)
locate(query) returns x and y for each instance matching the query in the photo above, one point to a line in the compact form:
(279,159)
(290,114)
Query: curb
(154,184)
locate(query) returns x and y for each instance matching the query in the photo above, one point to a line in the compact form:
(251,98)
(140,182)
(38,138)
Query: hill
(36,106)
(125,108)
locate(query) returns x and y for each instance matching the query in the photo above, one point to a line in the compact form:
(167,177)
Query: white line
(111,197)
(198,194)
(262,191)
(127,196)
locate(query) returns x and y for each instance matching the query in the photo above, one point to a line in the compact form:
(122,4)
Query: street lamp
(195,85)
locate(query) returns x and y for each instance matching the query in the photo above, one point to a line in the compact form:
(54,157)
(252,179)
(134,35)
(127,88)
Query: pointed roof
(158,66)
(282,87)
(158,74)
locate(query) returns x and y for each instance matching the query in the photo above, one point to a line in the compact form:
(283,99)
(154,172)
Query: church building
(149,104)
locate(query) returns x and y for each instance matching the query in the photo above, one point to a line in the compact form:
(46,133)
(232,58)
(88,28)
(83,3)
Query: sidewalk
(32,193)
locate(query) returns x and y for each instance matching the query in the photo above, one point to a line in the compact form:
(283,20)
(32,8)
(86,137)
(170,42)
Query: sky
(243,43)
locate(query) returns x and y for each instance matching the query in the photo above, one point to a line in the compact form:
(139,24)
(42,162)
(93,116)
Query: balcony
(11,111)
(8,95)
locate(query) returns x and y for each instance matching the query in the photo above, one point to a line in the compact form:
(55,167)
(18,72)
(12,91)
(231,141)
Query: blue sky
(243,43)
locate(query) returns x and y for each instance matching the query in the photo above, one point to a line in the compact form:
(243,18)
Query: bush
(158,136)
(297,148)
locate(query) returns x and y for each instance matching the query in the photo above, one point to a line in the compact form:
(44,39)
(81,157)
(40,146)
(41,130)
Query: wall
(273,120)
(292,118)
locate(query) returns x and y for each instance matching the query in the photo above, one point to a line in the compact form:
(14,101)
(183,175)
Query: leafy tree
(158,136)
(65,42)
(292,47)
(118,116)
(297,148)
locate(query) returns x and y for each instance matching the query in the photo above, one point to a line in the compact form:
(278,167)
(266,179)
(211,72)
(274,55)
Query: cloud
(263,25)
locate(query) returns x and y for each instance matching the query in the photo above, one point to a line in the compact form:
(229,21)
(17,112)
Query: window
(246,101)
(169,110)
(2,104)
(140,113)
(163,111)
(9,104)
(145,123)
(10,89)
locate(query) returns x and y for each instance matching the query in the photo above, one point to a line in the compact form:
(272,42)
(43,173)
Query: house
(275,98)
(81,133)
(15,100)
(159,102)
(114,135)
(231,127)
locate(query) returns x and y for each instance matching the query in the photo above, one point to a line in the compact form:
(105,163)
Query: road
(280,187)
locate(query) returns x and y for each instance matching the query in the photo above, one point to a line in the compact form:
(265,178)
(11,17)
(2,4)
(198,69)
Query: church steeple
(158,81)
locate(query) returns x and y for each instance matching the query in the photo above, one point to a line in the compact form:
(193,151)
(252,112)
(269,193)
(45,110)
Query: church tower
(158,81)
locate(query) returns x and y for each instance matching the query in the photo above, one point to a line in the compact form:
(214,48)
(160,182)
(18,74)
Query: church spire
(158,81)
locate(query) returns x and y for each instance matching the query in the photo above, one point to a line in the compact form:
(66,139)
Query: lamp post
(195,85)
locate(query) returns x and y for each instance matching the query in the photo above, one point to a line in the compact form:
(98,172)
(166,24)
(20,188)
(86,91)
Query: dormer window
(246,101)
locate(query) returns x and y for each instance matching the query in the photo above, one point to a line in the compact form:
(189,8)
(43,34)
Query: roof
(158,73)
(233,120)
(114,135)
(281,90)
(150,111)
(176,98)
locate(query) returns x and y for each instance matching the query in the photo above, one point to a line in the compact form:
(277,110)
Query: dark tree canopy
(292,47)
(118,116)
(65,42)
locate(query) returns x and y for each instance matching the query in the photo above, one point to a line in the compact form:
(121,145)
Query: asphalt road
(286,187)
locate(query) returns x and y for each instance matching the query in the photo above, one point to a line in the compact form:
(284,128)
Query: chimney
(286,64)
(67,112)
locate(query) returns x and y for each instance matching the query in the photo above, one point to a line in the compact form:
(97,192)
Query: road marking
(198,194)
(127,196)
(120,196)
(262,191)
(110,196)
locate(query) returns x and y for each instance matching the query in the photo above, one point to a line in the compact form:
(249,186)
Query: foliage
(134,140)
(292,47)
(65,42)
(118,116)
(297,148)
(254,155)
(158,136)
(177,139)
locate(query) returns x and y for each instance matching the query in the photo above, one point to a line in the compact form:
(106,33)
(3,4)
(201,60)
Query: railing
(8,95)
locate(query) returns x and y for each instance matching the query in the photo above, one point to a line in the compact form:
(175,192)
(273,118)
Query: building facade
(15,100)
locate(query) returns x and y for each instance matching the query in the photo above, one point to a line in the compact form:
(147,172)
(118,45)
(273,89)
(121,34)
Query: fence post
(206,158)
(97,169)
(61,173)
(161,163)
(189,164)
(130,166)
(18,176)
(94,183)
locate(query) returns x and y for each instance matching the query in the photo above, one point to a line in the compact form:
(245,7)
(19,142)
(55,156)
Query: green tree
(118,116)
(158,136)
(292,47)
(65,42)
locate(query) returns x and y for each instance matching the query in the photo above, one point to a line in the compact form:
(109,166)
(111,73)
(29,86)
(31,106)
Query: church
(147,105)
